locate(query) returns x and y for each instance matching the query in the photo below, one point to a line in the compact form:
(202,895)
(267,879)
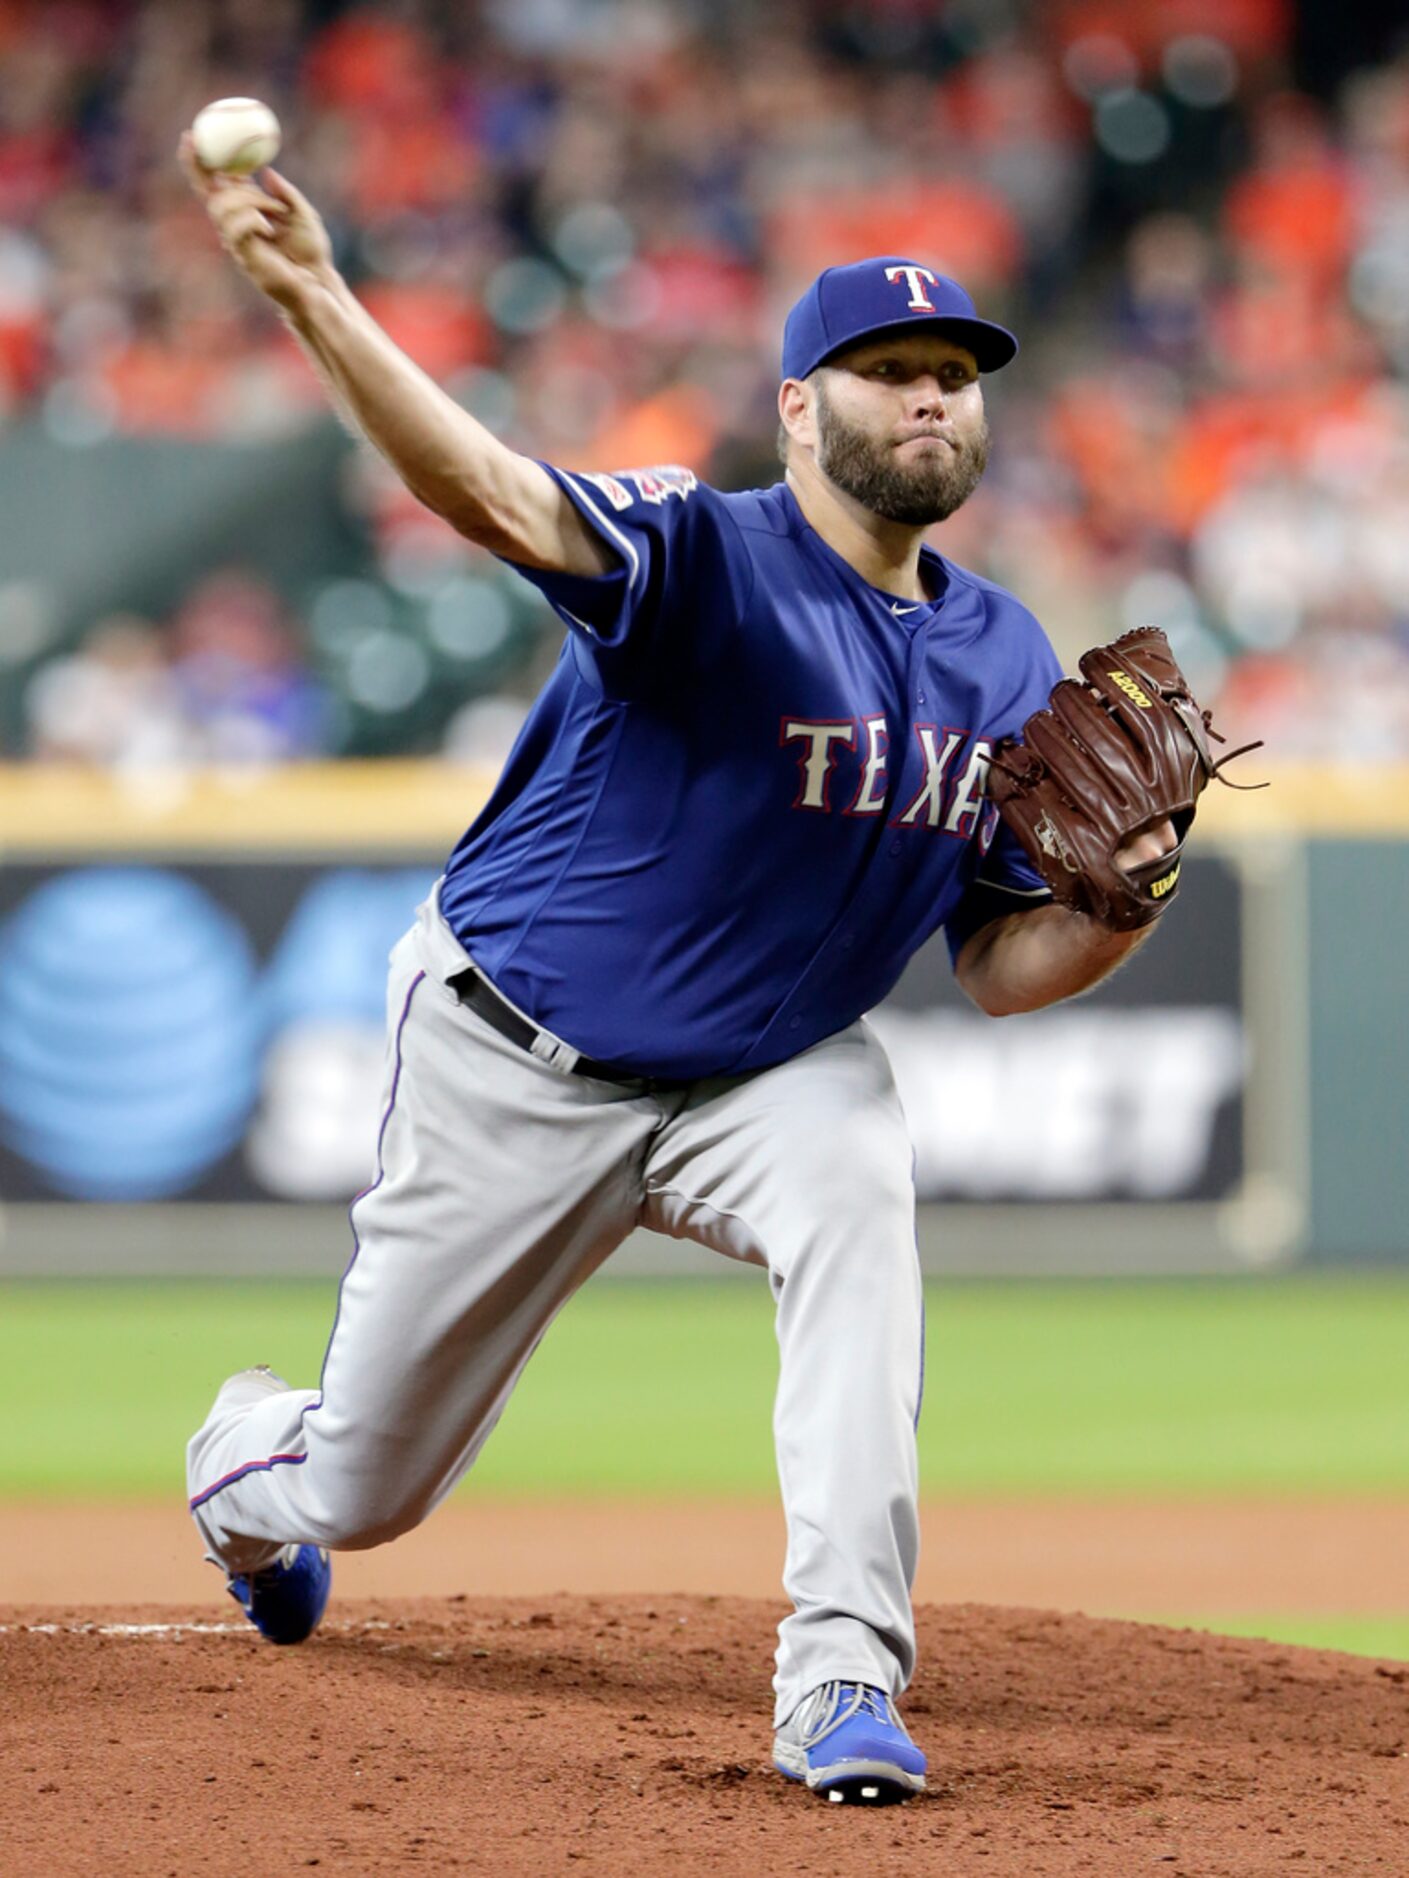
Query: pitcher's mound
(631,1737)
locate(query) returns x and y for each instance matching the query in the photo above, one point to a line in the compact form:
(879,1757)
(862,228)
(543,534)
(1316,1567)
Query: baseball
(235,135)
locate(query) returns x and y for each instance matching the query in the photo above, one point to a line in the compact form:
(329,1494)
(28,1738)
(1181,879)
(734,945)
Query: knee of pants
(349,1520)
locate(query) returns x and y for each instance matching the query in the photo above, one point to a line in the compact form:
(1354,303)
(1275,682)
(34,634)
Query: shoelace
(836,1702)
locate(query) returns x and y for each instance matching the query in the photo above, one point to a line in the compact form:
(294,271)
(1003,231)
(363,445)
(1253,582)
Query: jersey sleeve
(677,559)
(1005,881)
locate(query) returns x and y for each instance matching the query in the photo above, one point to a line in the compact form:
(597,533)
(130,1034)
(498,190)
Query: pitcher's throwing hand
(272,231)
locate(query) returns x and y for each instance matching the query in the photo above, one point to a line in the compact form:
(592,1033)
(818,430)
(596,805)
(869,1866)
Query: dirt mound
(631,1736)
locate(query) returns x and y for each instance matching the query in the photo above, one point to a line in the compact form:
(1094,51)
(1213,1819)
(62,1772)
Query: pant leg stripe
(377,1181)
(250,1467)
(920,1386)
(297,1460)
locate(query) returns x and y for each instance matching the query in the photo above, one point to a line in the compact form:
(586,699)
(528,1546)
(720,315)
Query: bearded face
(915,472)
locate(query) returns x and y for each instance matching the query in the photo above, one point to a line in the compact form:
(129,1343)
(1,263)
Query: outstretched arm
(488,492)
(1027,960)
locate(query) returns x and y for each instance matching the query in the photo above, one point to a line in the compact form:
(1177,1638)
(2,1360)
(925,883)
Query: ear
(796,400)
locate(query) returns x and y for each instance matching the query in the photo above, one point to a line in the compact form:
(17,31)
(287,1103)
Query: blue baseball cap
(885,294)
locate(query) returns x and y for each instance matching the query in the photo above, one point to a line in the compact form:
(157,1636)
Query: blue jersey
(752,787)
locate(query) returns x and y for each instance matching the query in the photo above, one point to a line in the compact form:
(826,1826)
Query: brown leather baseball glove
(1108,759)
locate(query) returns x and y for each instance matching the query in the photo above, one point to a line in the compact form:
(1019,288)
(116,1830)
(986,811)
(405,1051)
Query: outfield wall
(191,1033)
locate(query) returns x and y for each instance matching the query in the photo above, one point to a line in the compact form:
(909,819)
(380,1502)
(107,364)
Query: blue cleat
(847,1741)
(286,1600)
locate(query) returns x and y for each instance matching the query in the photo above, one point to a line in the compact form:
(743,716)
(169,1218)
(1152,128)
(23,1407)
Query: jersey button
(794,1023)
(848,941)
(896,846)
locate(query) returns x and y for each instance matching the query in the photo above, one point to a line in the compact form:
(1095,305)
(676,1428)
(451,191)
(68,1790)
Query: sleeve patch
(656,485)
(616,493)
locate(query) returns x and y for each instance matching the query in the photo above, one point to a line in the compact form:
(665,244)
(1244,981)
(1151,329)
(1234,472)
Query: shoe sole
(857,1783)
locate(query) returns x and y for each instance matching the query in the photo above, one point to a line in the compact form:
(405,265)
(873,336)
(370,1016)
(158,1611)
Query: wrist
(1115,941)
(311,296)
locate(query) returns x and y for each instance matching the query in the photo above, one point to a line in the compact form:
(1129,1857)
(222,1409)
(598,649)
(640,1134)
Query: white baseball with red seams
(236,136)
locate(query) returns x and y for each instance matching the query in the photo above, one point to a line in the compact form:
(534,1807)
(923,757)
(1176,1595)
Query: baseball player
(753,785)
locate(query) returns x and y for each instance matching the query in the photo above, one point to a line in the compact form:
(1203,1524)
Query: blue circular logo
(129,1032)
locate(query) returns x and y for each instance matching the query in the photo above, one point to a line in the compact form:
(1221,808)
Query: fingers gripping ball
(235,136)
(1113,756)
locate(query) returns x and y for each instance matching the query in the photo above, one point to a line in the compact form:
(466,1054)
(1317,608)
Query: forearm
(502,500)
(1027,960)
(447,460)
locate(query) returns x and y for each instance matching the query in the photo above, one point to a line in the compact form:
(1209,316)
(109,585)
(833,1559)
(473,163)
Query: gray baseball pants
(502,1184)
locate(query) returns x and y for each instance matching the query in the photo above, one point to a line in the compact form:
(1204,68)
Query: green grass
(1286,1386)
(1361,1636)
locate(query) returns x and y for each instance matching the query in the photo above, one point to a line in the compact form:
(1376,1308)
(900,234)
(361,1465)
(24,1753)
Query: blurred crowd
(587,219)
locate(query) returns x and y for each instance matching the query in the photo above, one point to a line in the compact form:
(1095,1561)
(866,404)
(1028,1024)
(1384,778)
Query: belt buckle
(554,1052)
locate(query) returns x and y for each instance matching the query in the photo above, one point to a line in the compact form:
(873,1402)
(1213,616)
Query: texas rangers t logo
(919,301)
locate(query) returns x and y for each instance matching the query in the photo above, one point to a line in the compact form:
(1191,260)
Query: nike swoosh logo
(901,611)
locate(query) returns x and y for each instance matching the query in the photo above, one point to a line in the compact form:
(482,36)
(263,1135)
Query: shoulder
(1006,620)
(653,488)
(667,501)
(659,493)
(670,493)
(1021,661)
(999,605)
(761,511)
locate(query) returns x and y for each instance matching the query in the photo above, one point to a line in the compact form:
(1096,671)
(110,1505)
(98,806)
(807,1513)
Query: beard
(915,494)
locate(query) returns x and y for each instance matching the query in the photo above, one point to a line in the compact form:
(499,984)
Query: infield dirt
(630,1736)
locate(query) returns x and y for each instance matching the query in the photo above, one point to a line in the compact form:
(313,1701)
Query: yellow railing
(344,806)
(395,805)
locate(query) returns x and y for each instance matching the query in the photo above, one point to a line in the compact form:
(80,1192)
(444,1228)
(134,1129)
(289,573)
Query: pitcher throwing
(755,783)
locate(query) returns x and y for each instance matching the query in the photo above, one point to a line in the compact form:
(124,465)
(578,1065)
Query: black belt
(478,995)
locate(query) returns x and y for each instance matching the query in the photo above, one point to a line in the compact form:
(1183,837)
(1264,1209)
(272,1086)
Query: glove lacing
(1215,773)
